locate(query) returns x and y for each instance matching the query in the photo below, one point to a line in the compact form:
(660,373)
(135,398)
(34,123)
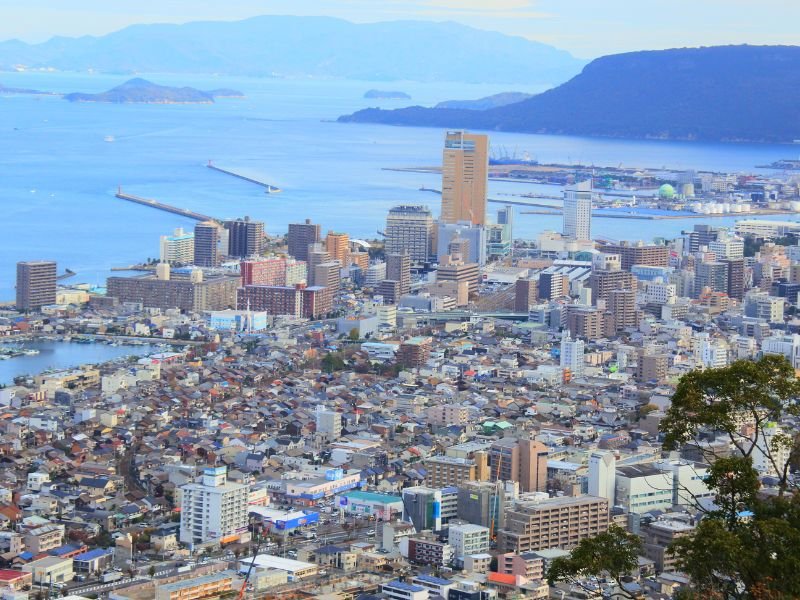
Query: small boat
(109,138)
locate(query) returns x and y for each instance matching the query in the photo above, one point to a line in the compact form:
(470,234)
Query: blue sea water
(60,355)
(58,176)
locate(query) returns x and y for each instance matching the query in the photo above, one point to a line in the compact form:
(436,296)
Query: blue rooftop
(92,554)
(432,579)
(62,550)
(401,585)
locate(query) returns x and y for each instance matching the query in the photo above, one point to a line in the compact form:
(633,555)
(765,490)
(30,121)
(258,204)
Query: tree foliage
(332,361)
(612,554)
(748,546)
(740,401)
(757,558)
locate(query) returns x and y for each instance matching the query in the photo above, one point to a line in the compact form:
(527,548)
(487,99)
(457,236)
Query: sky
(586,28)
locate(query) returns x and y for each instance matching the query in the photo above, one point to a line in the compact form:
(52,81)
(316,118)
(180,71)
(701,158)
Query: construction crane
(243,589)
(494,501)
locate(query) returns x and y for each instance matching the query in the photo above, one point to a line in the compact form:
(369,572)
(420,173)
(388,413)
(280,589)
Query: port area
(270,189)
(625,192)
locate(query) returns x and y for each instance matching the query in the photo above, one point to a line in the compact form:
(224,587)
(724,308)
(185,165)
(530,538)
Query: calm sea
(58,175)
(63,355)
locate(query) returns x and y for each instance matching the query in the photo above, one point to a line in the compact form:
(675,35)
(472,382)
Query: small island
(386,95)
(141,91)
(226,93)
(13,90)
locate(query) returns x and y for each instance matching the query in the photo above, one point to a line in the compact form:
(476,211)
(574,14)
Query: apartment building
(467,539)
(552,523)
(214,509)
(444,471)
(527,565)
(638,254)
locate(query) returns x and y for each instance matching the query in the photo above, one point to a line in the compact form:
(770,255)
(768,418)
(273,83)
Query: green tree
(354,337)
(748,547)
(332,361)
(741,401)
(758,558)
(736,483)
(613,554)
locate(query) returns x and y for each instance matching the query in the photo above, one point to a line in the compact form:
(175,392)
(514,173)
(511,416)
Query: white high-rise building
(661,293)
(786,345)
(578,211)
(761,305)
(410,228)
(572,355)
(178,248)
(771,452)
(375,274)
(727,246)
(710,353)
(468,539)
(602,475)
(387,315)
(329,423)
(214,509)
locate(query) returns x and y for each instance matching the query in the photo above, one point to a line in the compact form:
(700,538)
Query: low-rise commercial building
(50,569)
(207,586)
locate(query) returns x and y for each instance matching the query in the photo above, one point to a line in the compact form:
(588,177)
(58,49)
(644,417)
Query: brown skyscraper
(338,246)
(36,284)
(465,170)
(398,268)
(603,282)
(526,292)
(524,461)
(735,277)
(300,236)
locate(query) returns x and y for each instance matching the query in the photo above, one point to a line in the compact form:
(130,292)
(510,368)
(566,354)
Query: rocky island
(386,95)
(142,91)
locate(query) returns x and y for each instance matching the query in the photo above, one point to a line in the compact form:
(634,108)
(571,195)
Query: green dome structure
(666,192)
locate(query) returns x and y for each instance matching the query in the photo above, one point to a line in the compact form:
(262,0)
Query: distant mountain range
(142,91)
(306,46)
(724,93)
(501,99)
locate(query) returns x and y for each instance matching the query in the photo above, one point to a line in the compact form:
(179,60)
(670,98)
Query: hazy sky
(587,28)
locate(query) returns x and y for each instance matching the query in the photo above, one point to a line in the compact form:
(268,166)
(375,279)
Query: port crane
(243,589)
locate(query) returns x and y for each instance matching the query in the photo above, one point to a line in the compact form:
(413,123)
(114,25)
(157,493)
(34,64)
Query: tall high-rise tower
(578,211)
(398,268)
(338,246)
(206,244)
(36,284)
(245,237)
(300,236)
(410,227)
(465,170)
